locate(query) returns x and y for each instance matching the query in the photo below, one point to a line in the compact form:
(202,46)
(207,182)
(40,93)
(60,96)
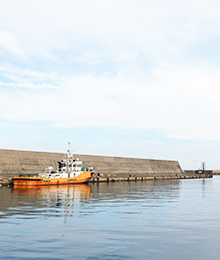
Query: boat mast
(68,150)
(68,155)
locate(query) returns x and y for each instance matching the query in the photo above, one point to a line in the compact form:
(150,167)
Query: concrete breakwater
(216,172)
(14,162)
(106,168)
(148,178)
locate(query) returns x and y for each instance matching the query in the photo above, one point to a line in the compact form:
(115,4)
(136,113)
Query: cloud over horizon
(143,65)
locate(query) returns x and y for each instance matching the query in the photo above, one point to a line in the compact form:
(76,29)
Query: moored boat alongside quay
(70,171)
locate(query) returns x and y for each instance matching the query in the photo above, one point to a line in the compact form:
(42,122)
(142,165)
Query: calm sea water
(144,220)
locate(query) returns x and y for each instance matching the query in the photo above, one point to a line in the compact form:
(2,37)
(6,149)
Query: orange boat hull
(40,181)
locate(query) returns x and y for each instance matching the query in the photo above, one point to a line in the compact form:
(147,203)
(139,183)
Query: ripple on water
(143,220)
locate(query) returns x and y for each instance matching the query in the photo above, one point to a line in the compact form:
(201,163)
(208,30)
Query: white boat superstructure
(67,168)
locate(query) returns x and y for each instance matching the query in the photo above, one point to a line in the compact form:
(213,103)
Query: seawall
(13,162)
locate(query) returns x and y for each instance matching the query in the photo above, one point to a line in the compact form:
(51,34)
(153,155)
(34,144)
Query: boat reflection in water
(78,190)
(60,200)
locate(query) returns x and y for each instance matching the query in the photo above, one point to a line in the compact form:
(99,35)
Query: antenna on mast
(68,149)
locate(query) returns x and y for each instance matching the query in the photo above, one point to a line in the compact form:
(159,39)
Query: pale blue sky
(119,78)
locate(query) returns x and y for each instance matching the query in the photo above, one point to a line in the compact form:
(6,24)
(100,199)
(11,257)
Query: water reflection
(170,219)
(74,192)
(136,191)
(62,200)
(67,200)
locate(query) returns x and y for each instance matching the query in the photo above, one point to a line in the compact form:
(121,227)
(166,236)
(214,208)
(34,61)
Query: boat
(69,171)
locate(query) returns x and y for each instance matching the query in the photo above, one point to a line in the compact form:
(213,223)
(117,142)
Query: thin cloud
(9,43)
(174,105)
(119,64)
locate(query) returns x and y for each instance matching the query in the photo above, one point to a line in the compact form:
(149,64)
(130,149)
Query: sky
(121,78)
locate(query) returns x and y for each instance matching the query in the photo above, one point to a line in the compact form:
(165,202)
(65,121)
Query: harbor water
(167,219)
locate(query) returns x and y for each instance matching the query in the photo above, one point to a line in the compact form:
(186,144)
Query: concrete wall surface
(14,162)
(216,172)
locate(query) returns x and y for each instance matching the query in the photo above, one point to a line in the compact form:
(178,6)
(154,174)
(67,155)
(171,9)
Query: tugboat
(70,171)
